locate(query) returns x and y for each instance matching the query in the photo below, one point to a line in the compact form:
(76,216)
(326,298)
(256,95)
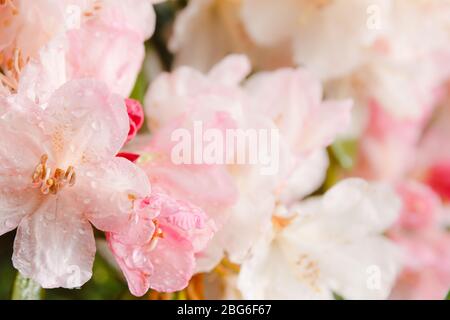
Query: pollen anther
(43,178)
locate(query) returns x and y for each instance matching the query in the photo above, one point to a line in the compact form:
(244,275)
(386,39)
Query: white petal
(307,177)
(269,274)
(364,269)
(107,191)
(19,154)
(362,206)
(86,123)
(55,246)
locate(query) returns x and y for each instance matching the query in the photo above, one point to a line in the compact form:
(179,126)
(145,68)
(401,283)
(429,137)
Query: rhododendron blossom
(425,244)
(327,245)
(259,104)
(103,38)
(58,173)
(225,149)
(157,248)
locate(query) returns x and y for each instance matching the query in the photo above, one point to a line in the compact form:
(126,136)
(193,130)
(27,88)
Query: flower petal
(133,263)
(86,123)
(55,246)
(173,262)
(267,274)
(231,70)
(108,191)
(19,155)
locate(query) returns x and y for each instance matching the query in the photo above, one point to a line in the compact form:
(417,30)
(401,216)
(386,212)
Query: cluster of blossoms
(75,153)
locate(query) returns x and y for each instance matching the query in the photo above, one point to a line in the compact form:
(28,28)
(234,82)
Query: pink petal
(108,191)
(86,123)
(166,260)
(189,221)
(133,263)
(325,122)
(173,262)
(107,54)
(231,70)
(55,246)
(420,206)
(129,156)
(136,116)
(19,154)
(439,179)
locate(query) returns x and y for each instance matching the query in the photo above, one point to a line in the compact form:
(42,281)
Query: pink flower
(157,248)
(433,153)
(426,275)
(208,186)
(420,208)
(439,179)
(388,145)
(58,173)
(293,100)
(136,116)
(109,46)
(207,30)
(175,101)
(99,39)
(425,244)
(128,155)
(288,101)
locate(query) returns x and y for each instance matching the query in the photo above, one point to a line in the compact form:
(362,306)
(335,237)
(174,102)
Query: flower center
(10,68)
(9,3)
(51,182)
(158,234)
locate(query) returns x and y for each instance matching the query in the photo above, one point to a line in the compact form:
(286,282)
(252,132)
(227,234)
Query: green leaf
(344,151)
(26,289)
(448,296)
(337,296)
(140,88)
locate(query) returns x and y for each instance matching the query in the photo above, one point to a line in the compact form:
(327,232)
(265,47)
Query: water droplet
(95,125)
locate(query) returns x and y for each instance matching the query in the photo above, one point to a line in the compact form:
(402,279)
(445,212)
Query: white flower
(329,244)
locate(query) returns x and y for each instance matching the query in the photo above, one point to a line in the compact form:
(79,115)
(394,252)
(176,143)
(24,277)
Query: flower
(136,115)
(157,248)
(58,173)
(425,244)
(208,30)
(288,101)
(98,39)
(427,261)
(325,245)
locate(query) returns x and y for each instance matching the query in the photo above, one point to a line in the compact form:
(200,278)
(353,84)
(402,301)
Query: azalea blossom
(59,173)
(383,46)
(284,149)
(136,116)
(202,47)
(179,98)
(107,34)
(326,245)
(425,244)
(157,248)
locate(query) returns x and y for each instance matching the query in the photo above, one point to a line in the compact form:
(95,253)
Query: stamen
(18,61)
(10,82)
(157,234)
(14,9)
(42,177)
(281,222)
